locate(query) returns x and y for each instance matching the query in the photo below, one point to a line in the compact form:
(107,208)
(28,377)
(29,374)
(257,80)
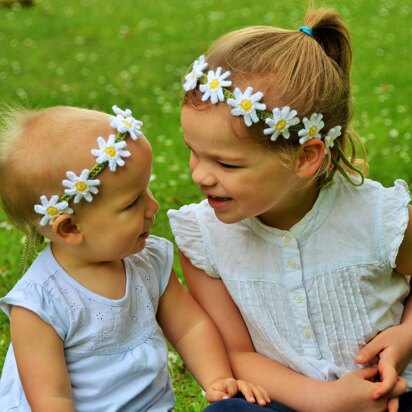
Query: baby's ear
(67,231)
(310,158)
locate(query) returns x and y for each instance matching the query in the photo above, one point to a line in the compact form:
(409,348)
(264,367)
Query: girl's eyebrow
(230,159)
(220,157)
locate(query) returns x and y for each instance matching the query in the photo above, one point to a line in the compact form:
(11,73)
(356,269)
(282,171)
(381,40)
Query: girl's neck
(295,208)
(107,279)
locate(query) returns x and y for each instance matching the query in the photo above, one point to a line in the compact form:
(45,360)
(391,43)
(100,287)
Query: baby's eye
(227,166)
(134,203)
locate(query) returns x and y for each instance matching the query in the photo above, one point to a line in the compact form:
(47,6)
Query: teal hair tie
(306,30)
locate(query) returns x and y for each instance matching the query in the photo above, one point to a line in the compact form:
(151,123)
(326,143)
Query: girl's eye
(226,166)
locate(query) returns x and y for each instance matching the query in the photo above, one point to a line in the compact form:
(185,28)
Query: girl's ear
(67,231)
(310,158)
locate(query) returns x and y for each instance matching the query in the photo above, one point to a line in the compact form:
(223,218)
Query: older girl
(299,260)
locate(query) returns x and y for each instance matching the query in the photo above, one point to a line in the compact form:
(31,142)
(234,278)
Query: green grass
(133,53)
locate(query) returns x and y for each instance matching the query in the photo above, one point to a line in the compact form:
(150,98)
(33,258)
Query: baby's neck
(106,279)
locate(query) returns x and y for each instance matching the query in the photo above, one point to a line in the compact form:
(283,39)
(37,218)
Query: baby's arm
(195,337)
(394,345)
(352,393)
(40,361)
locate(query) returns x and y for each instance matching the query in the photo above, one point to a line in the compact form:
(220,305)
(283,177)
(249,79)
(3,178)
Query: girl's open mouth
(218,202)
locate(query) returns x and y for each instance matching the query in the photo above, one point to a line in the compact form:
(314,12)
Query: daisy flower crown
(214,86)
(109,154)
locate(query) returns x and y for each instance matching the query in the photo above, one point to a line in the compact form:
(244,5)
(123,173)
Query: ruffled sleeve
(190,238)
(34,297)
(395,218)
(160,251)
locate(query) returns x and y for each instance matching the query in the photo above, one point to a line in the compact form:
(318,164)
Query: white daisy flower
(197,71)
(245,104)
(280,123)
(81,186)
(111,152)
(331,137)
(51,209)
(213,88)
(312,128)
(119,112)
(124,122)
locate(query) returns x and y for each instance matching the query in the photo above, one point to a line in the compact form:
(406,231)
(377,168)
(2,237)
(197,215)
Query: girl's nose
(201,174)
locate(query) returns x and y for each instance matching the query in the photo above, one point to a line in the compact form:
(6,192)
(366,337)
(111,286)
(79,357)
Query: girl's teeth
(220,198)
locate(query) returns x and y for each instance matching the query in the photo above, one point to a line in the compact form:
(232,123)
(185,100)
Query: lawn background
(133,53)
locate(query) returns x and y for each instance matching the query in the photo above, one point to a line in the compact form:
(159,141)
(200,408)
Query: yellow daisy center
(312,131)
(281,124)
(52,211)
(80,186)
(127,123)
(246,105)
(111,151)
(214,84)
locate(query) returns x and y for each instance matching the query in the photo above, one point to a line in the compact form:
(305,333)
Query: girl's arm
(40,361)
(352,393)
(196,339)
(394,345)
(404,258)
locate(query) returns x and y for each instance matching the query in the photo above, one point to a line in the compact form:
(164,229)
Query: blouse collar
(307,225)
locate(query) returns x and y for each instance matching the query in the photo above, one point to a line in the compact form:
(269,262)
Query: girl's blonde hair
(307,73)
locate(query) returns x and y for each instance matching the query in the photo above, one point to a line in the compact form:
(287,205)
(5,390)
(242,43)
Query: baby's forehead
(134,174)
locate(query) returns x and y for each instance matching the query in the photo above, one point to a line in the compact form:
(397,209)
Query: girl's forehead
(207,121)
(215,129)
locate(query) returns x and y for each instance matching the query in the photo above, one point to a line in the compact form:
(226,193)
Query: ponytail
(331,33)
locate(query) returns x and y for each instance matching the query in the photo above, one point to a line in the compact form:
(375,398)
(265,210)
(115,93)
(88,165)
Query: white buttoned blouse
(313,295)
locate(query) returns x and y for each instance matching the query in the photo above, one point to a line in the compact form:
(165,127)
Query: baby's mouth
(145,235)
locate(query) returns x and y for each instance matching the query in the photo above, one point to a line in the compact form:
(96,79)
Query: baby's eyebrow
(130,198)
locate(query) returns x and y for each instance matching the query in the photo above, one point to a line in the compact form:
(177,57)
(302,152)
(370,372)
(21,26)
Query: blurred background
(133,53)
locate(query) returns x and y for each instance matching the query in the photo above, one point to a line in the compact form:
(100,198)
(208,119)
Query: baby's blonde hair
(36,149)
(307,73)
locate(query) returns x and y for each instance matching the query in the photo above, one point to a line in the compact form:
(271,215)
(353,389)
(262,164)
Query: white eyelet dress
(115,352)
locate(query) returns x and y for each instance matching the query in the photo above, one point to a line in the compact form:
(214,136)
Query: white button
(299,298)
(286,239)
(292,263)
(307,333)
